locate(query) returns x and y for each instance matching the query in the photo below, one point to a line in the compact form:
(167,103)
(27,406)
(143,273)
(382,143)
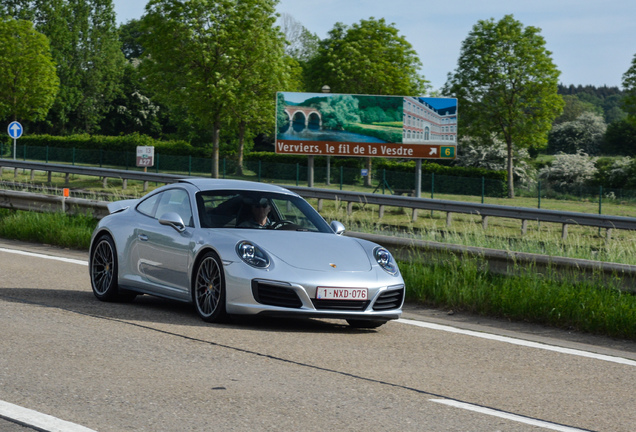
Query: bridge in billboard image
(325,124)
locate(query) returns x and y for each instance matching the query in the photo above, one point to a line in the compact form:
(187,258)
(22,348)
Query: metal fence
(384,181)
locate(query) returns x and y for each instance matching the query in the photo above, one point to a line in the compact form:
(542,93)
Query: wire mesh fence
(382,180)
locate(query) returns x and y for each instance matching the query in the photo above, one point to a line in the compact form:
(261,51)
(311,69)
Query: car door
(163,253)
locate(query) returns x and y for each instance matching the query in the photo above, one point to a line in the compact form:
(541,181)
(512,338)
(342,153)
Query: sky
(593,42)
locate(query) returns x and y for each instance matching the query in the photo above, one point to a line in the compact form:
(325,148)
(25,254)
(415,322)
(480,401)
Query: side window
(149,205)
(176,201)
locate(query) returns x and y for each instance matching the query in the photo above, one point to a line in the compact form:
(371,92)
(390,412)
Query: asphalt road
(153,365)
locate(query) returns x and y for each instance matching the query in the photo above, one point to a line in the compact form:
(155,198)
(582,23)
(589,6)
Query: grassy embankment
(592,305)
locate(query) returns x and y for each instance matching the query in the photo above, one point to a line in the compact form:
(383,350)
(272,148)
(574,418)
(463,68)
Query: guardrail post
(145,186)
(524,226)
(15,173)
(32,174)
(381,212)
(320,202)
(105,182)
(414,215)
(608,235)
(449,218)
(349,207)
(564,231)
(49,176)
(67,178)
(484,222)
(124,184)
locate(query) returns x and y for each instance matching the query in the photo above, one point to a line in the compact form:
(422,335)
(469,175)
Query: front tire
(103,271)
(208,293)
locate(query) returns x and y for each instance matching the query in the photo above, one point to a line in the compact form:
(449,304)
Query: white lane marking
(423,324)
(507,416)
(520,342)
(34,419)
(51,257)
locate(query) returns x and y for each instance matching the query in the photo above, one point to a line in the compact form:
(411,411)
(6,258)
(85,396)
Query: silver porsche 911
(235,247)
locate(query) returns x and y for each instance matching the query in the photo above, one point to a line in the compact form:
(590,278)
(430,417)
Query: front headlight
(385,260)
(252,255)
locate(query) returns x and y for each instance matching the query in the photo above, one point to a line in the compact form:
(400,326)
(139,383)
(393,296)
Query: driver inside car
(258,216)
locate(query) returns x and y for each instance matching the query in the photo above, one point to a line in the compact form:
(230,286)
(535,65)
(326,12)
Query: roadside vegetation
(460,284)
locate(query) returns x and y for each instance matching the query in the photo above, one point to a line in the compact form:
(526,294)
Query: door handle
(142,237)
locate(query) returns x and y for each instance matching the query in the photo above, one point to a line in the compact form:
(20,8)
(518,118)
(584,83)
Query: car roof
(223,184)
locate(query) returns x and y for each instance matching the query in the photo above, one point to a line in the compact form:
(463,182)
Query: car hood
(312,251)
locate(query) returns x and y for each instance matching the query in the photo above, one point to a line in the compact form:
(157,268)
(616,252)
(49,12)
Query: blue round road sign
(15,130)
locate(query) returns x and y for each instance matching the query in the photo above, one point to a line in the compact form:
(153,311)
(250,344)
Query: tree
(302,45)
(574,107)
(201,55)
(85,46)
(629,86)
(620,138)
(506,85)
(584,134)
(367,58)
(28,80)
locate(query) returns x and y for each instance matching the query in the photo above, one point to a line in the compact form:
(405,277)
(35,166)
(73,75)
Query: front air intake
(275,295)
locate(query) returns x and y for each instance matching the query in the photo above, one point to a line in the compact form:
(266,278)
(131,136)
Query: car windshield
(258,210)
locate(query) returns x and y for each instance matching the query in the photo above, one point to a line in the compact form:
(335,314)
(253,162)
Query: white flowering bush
(569,171)
(585,134)
(495,157)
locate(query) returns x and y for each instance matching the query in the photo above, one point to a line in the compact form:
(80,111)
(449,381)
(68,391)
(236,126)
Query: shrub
(569,171)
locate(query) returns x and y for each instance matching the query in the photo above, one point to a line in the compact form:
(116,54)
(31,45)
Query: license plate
(323,293)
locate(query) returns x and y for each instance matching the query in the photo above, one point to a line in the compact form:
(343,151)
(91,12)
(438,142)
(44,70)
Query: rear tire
(208,290)
(103,272)
(365,324)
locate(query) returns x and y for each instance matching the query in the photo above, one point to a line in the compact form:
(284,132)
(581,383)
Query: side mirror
(174,220)
(337,227)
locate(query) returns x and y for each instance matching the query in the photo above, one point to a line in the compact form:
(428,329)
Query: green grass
(58,229)
(590,305)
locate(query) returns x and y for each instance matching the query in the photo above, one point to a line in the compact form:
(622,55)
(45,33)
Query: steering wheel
(281,223)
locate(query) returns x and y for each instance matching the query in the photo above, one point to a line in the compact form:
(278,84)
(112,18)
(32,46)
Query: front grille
(350,305)
(275,295)
(389,300)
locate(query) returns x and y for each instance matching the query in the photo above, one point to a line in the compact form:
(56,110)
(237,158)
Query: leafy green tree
(620,138)
(585,134)
(574,107)
(367,58)
(28,80)
(629,86)
(129,36)
(506,85)
(85,46)
(202,54)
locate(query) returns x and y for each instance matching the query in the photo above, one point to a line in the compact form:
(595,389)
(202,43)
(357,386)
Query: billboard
(327,124)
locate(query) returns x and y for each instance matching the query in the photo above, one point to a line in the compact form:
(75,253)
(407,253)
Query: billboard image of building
(365,125)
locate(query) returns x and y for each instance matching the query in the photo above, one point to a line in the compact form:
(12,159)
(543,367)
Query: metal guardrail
(27,201)
(524,214)
(104,173)
(499,261)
